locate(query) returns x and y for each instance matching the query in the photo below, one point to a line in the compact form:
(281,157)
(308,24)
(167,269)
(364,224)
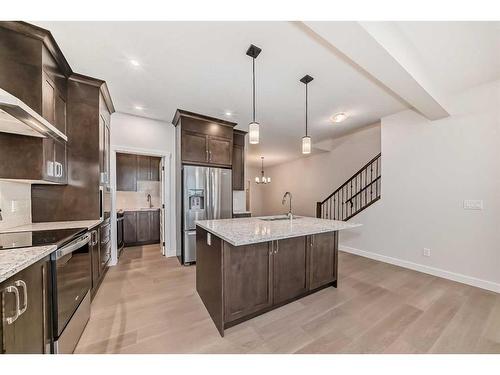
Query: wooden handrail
(352,178)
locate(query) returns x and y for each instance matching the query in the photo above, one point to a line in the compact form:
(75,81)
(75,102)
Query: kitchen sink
(277,218)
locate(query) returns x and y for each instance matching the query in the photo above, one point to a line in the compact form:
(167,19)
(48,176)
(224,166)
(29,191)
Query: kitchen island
(248,266)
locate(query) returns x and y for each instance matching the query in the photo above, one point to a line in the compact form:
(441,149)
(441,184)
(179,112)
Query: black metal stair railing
(357,193)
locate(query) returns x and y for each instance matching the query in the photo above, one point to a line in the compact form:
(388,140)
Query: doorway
(141,199)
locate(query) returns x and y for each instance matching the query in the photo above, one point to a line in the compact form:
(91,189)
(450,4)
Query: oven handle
(75,245)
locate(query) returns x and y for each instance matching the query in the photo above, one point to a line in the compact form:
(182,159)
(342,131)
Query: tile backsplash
(138,199)
(15,203)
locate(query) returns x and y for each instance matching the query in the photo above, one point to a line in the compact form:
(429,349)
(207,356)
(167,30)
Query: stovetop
(58,237)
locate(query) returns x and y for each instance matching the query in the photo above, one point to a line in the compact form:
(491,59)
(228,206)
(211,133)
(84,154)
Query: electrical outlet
(473,204)
(427,252)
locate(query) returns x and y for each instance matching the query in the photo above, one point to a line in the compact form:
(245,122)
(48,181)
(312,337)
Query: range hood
(16,117)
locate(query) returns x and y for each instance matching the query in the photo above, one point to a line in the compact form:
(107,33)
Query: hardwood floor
(148,304)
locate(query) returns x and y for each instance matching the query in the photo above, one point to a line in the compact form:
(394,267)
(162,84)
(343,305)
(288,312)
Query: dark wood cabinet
(29,333)
(204,140)
(126,176)
(237,283)
(129,227)
(322,259)
(248,277)
(131,168)
(220,150)
(194,147)
(141,227)
(290,269)
(238,164)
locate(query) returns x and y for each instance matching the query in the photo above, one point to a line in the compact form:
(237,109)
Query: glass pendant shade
(257,180)
(253,133)
(306,145)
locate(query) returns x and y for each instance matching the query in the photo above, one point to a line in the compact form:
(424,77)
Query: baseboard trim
(464,279)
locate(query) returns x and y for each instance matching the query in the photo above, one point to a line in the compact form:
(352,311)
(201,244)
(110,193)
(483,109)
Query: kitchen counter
(139,209)
(89,224)
(246,231)
(15,260)
(249,266)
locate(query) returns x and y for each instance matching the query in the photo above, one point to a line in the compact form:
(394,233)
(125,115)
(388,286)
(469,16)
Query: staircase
(356,194)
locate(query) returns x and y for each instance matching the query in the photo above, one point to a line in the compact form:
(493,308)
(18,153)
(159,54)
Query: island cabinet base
(237,283)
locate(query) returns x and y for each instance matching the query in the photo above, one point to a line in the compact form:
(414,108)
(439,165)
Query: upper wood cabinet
(126,172)
(239,160)
(131,168)
(204,140)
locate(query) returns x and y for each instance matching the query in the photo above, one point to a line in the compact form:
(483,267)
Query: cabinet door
(48,99)
(194,147)
(143,226)
(155,169)
(220,150)
(126,176)
(290,268)
(60,162)
(247,279)
(322,259)
(129,228)
(143,168)
(59,112)
(29,333)
(238,167)
(155,226)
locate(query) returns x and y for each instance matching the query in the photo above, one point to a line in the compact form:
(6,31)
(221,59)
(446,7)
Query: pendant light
(253,127)
(262,179)
(306,140)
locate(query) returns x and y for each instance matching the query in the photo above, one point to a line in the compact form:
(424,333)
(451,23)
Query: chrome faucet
(283,201)
(148,198)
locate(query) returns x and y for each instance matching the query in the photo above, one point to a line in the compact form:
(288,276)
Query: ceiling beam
(379,51)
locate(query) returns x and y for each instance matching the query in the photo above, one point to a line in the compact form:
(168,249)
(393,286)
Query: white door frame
(169,198)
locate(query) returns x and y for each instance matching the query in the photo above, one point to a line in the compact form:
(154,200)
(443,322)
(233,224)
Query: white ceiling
(202,67)
(456,55)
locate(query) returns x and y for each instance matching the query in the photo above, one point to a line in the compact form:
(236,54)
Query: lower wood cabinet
(322,261)
(25,307)
(248,276)
(141,227)
(239,282)
(290,268)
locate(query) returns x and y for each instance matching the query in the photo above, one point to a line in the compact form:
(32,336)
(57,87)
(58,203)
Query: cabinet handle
(312,240)
(207,155)
(12,319)
(277,247)
(210,155)
(19,284)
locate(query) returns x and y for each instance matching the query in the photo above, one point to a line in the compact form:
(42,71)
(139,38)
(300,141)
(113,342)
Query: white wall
(15,203)
(428,169)
(312,179)
(141,134)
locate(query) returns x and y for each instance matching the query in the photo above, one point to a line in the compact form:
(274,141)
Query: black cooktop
(59,237)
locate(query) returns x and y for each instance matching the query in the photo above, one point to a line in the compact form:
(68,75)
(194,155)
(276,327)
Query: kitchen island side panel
(209,271)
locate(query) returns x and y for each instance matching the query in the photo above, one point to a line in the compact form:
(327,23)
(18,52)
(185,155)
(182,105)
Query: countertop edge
(273,238)
(21,265)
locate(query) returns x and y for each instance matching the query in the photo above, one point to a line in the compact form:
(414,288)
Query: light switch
(473,204)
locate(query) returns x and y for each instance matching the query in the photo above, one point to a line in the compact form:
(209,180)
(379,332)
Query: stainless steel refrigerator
(207,194)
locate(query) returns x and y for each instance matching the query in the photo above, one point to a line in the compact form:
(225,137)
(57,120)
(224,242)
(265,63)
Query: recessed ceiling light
(228,113)
(134,63)
(139,107)
(339,117)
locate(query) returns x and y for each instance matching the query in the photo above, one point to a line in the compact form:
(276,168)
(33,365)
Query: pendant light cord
(306,108)
(253,86)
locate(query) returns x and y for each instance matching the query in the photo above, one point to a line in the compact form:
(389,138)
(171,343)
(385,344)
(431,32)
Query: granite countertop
(246,231)
(15,260)
(139,209)
(89,224)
